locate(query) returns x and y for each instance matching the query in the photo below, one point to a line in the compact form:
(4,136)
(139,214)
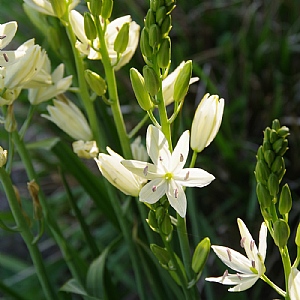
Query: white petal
(7,32)
(193,177)
(180,153)
(244,285)
(143,169)
(233,259)
(262,247)
(153,191)
(294,284)
(157,146)
(177,198)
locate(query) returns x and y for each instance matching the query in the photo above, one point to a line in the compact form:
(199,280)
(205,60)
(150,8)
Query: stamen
(242,243)
(2,37)
(160,158)
(252,243)
(154,188)
(145,171)
(176,193)
(187,175)
(239,276)
(5,57)
(181,157)
(225,274)
(253,264)
(229,254)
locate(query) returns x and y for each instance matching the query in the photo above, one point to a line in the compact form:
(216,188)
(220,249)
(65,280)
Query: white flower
(111,168)
(7,32)
(86,150)
(169,82)
(59,85)
(294,284)
(70,119)
(83,44)
(207,121)
(45,7)
(166,174)
(249,269)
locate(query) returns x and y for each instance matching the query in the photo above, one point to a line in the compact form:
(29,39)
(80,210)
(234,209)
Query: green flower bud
(277,145)
(267,134)
(276,124)
(166,26)
(277,165)
(166,226)
(152,222)
(266,215)
(151,80)
(160,214)
(284,147)
(3,157)
(160,15)
(107,6)
(154,36)
(263,195)
(285,200)
(146,49)
(121,41)
(283,131)
(141,94)
(273,184)
(164,53)
(95,82)
(89,26)
(200,255)
(149,19)
(181,85)
(281,233)
(156,4)
(95,7)
(273,136)
(260,153)
(297,237)
(262,171)
(269,157)
(267,146)
(59,7)
(161,254)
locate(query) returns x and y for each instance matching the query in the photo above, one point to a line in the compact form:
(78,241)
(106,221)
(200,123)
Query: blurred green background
(248,53)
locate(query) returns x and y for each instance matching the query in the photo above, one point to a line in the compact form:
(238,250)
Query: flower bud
(161,254)
(107,6)
(277,165)
(141,94)
(154,35)
(160,214)
(89,26)
(269,157)
(151,80)
(260,153)
(146,49)
(166,26)
(263,195)
(206,122)
(273,184)
(283,131)
(200,255)
(95,7)
(267,134)
(156,4)
(281,233)
(122,39)
(152,220)
(284,147)
(285,200)
(276,124)
(59,7)
(95,82)
(138,150)
(164,53)
(277,145)
(160,15)
(262,171)
(182,81)
(85,150)
(273,136)
(3,157)
(150,19)
(267,146)
(166,225)
(297,237)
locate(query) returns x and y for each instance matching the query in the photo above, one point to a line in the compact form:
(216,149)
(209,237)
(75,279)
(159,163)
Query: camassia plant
(141,190)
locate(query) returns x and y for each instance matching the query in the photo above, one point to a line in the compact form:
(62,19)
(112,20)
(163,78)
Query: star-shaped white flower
(249,269)
(294,284)
(166,174)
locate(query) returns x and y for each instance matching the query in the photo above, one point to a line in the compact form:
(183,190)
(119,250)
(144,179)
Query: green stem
(98,135)
(135,130)
(27,235)
(113,93)
(194,158)
(273,285)
(76,266)
(285,257)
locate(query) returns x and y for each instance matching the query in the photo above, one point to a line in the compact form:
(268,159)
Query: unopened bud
(152,222)
(122,39)
(181,85)
(262,171)
(141,94)
(149,19)
(164,53)
(89,26)
(160,15)
(146,49)
(59,7)
(166,225)
(273,184)
(263,195)
(160,214)
(267,134)
(273,136)
(95,7)
(200,255)
(161,254)
(281,233)
(3,157)
(277,165)
(284,147)
(151,80)
(276,124)
(269,157)
(154,35)
(260,153)
(277,145)
(95,82)
(107,6)
(283,131)
(267,146)
(285,200)
(297,237)
(166,26)
(156,4)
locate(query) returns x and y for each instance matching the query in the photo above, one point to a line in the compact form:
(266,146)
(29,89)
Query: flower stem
(273,285)
(27,236)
